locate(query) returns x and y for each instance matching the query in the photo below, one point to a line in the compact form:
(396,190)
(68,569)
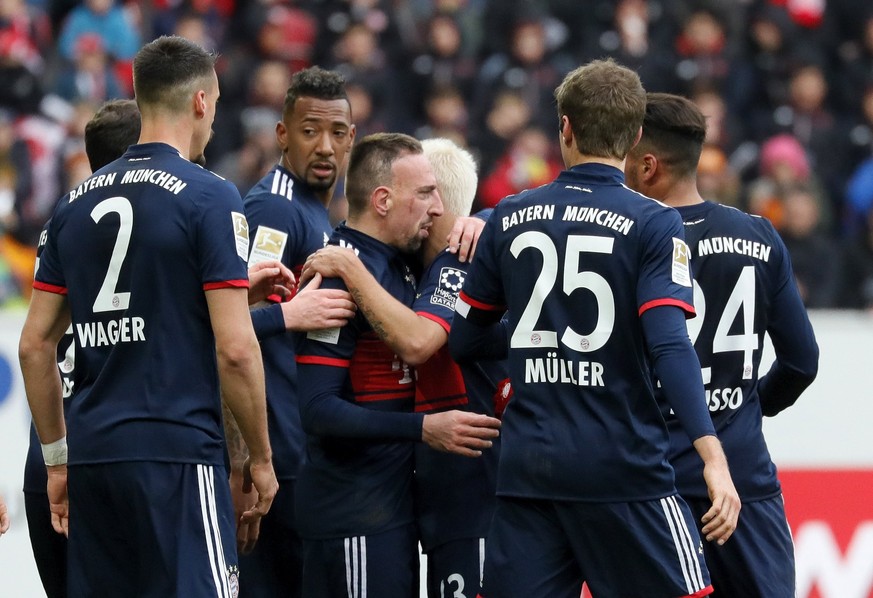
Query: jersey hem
(49,288)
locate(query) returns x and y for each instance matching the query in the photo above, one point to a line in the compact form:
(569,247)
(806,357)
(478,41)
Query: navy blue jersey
(356,402)
(135,247)
(288,223)
(454,495)
(743,288)
(577,262)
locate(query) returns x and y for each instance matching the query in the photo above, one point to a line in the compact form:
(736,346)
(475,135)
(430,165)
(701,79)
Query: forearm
(242,386)
(42,385)
(237,450)
(414,339)
(324,412)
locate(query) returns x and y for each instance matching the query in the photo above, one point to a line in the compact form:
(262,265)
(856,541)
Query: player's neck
(575,159)
(171,133)
(681,194)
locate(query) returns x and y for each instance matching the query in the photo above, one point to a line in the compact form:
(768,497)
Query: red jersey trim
(704,592)
(440,404)
(318,360)
(478,304)
(388,395)
(49,288)
(226,284)
(688,309)
(434,318)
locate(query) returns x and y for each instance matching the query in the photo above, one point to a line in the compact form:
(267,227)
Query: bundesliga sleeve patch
(451,282)
(269,245)
(241,234)
(681,273)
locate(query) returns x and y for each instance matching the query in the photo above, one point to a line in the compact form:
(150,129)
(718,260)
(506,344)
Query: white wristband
(55,453)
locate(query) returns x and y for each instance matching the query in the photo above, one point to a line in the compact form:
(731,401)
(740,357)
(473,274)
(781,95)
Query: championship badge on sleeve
(241,234)
(681,272)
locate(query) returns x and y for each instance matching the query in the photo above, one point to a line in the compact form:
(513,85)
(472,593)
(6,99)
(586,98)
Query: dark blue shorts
(758,559)
(275,566)
(455,568)
(151,529)
(648,549)
(49,547)
(379,565)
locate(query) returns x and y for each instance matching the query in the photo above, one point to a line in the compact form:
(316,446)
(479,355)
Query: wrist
(55,453)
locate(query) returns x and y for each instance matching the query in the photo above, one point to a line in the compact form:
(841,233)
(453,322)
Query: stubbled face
(632,166)
(315,138)
(415,201)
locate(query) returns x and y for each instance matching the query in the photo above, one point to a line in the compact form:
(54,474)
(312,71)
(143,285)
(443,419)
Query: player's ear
(381,200)
(648,166)
(282,135)
(566,131)
(199,101)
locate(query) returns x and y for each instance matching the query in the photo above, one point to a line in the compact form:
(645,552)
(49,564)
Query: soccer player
(743,288)
(596,281)
(113,128)
(454,496)
(288,213)
(157,298)
(354,494)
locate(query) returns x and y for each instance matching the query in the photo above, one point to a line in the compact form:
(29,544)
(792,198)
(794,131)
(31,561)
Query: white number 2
(524,335)
(107,298)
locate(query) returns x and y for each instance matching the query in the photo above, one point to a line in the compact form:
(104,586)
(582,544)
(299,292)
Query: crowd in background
(786,85)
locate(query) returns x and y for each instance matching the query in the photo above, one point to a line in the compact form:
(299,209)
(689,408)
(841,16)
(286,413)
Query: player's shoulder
(740,220)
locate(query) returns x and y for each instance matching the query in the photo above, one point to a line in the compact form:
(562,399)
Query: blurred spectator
(368,111)
(103,17)
(74,166)
(703,56)
(809,119)
(528,68)
(814,256)
(16,169)
(90,77)
(201,21)
(442,63)
(445,115)
(856,290)
(639,39)
(716,180)
(528,162)
(507,115)
(784,164)
(358,56)
(247,165)
(25,35)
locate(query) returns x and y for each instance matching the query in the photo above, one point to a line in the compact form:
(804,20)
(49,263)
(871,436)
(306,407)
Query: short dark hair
(674,131)
(314,82)
(109,133)
(370,165)
(605,104)
(166,70)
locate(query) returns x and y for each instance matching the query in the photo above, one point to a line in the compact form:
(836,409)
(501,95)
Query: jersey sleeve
(665,273)
(477,329)
(222,238)
(323,361)
(794,343)
(47,275)
(274,230)
(438,290)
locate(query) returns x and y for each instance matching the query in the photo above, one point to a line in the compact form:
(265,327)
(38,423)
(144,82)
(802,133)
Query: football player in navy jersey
(743,288)
(596,281)
(157,298)
(355,489)
(288,215)
(454,496)
(114,127)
